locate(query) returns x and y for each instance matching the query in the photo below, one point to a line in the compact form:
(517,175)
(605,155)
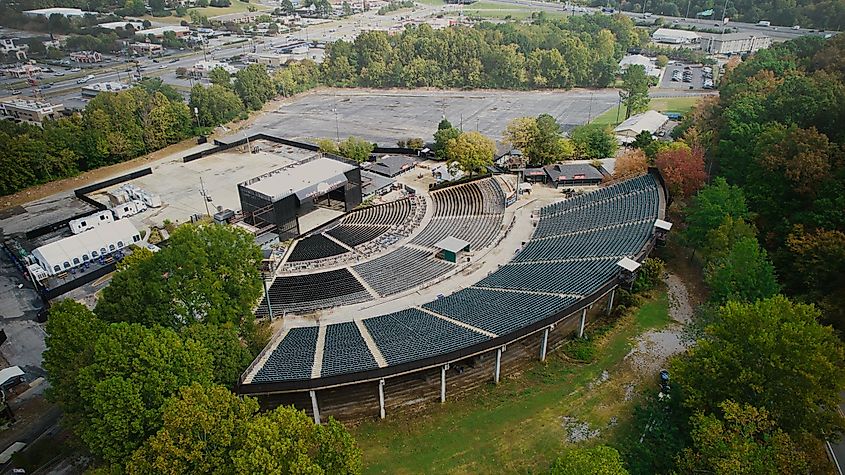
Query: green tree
(208,273)
(200,429)
(594,141)
(287,6)
(215,104)
(254,86)
(328,146)
(742,440)
(771,354)
(287,441)
(661,61)
(220,77)
(634,93)
(229,355)
(649,275)
(745,274)
(134,370)
(472,151)
(599,460)
(722,239)
(710,207)
(356,149)
(445,133)
(138,254)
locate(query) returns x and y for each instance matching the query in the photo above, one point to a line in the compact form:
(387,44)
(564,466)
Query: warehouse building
(650,121)
(734,43)
(675,37)
(74,251)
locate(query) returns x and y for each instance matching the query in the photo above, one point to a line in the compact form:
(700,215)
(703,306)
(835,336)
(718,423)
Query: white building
(74,251)
(734,43)
(675,37)
(647,63)
(91,90)
(159,32)
(202,68)
(650,121)
(91,221)
(113,25)
(30,111)
(67,12)
(8,47)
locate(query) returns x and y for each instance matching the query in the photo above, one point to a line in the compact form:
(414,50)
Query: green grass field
(681,105)
(236,7)
(514,427)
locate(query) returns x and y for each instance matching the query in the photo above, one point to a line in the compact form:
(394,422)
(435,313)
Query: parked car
(59,74)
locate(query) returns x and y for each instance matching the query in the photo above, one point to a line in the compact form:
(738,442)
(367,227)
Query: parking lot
(696,77)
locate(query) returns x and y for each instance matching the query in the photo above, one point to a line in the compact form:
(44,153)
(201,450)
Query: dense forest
(578,51)
(823,14)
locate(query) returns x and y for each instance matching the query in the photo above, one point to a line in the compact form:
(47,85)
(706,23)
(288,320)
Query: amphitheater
(376,322)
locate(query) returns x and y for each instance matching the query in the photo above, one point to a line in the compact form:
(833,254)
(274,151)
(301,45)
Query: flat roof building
(113,25)
(30,111)
(647,63)
(650,121)
(392,165)
(71,252)
(734,43)
(87,57)
(66,12)
(675,37)
(159,32)
(91,90)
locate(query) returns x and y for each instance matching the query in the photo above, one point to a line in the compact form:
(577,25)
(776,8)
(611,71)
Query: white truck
(764,23)
(85,79)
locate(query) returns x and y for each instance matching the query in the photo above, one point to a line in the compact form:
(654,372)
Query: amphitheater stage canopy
(450,246)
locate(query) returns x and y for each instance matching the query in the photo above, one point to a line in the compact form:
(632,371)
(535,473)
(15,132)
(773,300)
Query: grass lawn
(681,105)
(516,426)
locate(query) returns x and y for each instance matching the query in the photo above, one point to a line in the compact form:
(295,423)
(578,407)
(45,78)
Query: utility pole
(204,197)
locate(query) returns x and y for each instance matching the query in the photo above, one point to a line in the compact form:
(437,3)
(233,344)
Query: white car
(59,74)
(163,66)
(75,70)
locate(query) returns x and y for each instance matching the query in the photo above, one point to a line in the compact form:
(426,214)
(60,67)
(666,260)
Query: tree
(745,274)
(287,6)
(215,104)
(520,133)
(630,164)
(416,143)
(200,429)
(548,145)
(642,140)
(594,141)
(710,207)
(254,86)
(634,93)
(683,170)
(208,273)
(355,149)
(273,29)
(771,354)
(138,254)
(71,331)
(600,460)
(134,370)
(818,270)
(742,440)
(445,133)
(473,152)
(721,240)
(229,357)
(328,146)
(661,61)
(287,441)
(649,275)
(220,77)
(803,157)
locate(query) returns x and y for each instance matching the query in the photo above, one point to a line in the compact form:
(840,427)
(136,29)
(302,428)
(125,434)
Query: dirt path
(654,348)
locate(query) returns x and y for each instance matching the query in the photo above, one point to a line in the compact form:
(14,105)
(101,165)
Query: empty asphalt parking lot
(385,116)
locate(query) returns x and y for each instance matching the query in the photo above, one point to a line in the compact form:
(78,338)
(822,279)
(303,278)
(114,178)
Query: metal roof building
(675,37)
(650,121)
(70,252)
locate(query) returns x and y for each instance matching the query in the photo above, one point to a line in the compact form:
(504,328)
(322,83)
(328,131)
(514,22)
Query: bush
(649,275)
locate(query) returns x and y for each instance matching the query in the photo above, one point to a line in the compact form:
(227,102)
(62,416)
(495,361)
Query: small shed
(450,247)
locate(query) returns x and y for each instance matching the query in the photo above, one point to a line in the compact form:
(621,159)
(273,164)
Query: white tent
(76,250)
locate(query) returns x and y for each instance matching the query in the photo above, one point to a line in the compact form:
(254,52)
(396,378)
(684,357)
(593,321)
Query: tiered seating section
(573,254)
(315,247)
(367,224)
(472,212)
(401,270)
(312,291)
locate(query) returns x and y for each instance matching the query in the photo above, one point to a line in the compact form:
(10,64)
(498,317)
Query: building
(25,71)
(279,198)
(87,57)
(114,25)
(272,60)
(650,121)
(29,111)
(372,184)
(392,165)
(179,31)
(92,90)
(244,17)
(734,43)
(66,12)
(573,174)
(647,63)
(9,48)
(71,252)
(147,49)
(80,225)
(203,68)
(674,37)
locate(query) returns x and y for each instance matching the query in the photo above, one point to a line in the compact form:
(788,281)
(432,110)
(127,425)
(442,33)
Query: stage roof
(306,179)
(452,244)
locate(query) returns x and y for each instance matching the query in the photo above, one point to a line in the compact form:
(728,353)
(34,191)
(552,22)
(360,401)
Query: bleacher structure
(533,302)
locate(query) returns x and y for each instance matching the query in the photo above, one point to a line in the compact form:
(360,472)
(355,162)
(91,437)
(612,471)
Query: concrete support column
(583,322)
(314,406)
(443,370)
(610,301)
(545,345)
(498,365)
(381,399)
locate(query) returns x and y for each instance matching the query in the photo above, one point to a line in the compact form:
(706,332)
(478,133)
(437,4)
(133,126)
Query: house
(392,165)
(650,121)
(675,37)
(30,111)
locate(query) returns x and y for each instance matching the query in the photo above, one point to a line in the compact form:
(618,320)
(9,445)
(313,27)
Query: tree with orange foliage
(632,163)
(803,156)
(683,170)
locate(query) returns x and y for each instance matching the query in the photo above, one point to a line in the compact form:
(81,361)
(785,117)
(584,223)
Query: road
(837,450)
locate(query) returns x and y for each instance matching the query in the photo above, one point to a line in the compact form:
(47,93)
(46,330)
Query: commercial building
(650,121)
(29,111)
(146,49)
(203,68)
(244,17)
(87,57)
(674,37)
(734,43)
(573,174)
(25,71)
(159,32)
(392,165)
(74,251)
(114,25)
(647,63)
(92,90)
(279,198)
(9,48)
(66,12)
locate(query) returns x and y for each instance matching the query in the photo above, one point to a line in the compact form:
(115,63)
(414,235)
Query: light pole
(264,275)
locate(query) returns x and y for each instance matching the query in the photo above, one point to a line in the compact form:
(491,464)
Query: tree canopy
(600,460)
(539,139)
(472,151)
(634,93)
(594,141)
